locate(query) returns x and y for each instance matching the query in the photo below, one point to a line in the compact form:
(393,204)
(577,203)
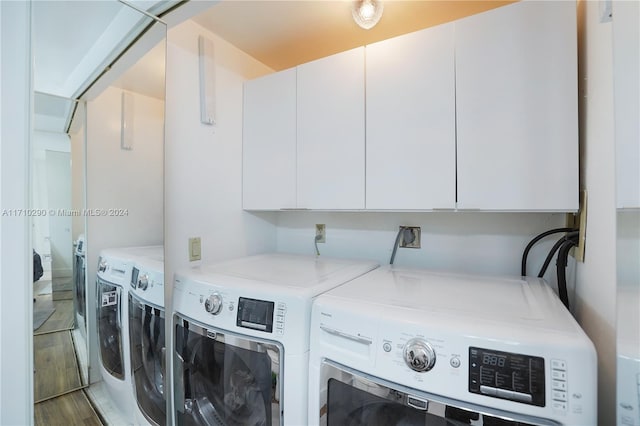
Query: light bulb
(367,13)
(367,10)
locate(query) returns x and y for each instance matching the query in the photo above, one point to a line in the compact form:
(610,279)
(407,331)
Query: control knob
(102,266)
(143,281)
(213,304)
(419,355)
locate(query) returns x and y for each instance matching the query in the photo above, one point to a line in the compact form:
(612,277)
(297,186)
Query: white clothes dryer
(241,337)
(147,336)
(112,283)
(402,346)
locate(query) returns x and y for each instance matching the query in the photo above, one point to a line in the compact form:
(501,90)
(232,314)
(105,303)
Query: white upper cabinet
(410,121)
(478,114)
(517,118)
(330,130)
(269,142)
(626,96)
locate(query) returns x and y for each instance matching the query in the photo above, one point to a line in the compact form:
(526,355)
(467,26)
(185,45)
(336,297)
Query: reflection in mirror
(125,173)
(628,324)
(57,195)
(81,53)
(626,97)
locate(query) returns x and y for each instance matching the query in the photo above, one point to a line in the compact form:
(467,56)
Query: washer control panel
(507,375)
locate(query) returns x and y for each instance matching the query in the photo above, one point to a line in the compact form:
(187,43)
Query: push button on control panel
(281,309)
(559,384)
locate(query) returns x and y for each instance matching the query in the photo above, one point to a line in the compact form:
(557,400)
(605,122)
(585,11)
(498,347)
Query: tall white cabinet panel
(516,93)
(269,142)
(331,132)
(626,82)
(410,109)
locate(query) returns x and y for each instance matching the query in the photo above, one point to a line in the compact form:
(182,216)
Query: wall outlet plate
(195,249)
(410,236)
(579,220)
(321,237)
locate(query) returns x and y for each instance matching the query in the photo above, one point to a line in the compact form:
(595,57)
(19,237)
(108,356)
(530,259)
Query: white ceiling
(282,34)
(63,33)
(74,40)
(147,75)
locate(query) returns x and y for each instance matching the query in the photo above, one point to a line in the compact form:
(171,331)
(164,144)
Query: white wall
(628,250)
(16,323)
(203,172)
(482,243)
(40,230)
(122,179)
(77,177)
(595,305)
(203,162)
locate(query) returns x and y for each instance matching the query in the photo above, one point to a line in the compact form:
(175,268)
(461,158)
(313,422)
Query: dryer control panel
(255,314)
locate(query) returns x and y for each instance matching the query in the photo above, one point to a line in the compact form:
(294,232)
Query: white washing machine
(412,347)
(146,336)
(112,283)
(241,337)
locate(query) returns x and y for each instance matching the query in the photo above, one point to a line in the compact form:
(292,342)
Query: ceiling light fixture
(367,13)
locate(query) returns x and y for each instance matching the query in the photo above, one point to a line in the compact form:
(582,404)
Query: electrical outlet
(195,249)
(410,236)
(579,220)
(321,237)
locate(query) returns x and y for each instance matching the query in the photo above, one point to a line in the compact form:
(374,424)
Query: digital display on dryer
(255,314)
(134,277)
(507,375)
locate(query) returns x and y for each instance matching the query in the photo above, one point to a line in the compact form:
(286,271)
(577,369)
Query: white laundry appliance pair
(242,337)
(400,346)
(121,295)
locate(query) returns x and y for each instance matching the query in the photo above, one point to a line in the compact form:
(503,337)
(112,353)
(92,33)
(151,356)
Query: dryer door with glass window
(110,327)
(225,379)
(146,336)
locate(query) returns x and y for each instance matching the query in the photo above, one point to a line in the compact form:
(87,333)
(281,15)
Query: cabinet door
(269,142)
(516,100)
(331,132)
(410,99)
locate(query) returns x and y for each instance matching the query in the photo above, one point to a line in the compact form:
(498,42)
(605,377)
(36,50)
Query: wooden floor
(55,365)
(58,392)
(61,319)
(70,409)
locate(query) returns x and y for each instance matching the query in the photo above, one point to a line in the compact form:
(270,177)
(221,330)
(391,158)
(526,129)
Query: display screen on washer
(255,314)
(134,277)
(506,375)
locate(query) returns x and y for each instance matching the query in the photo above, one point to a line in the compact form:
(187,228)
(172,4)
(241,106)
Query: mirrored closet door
(97,158)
